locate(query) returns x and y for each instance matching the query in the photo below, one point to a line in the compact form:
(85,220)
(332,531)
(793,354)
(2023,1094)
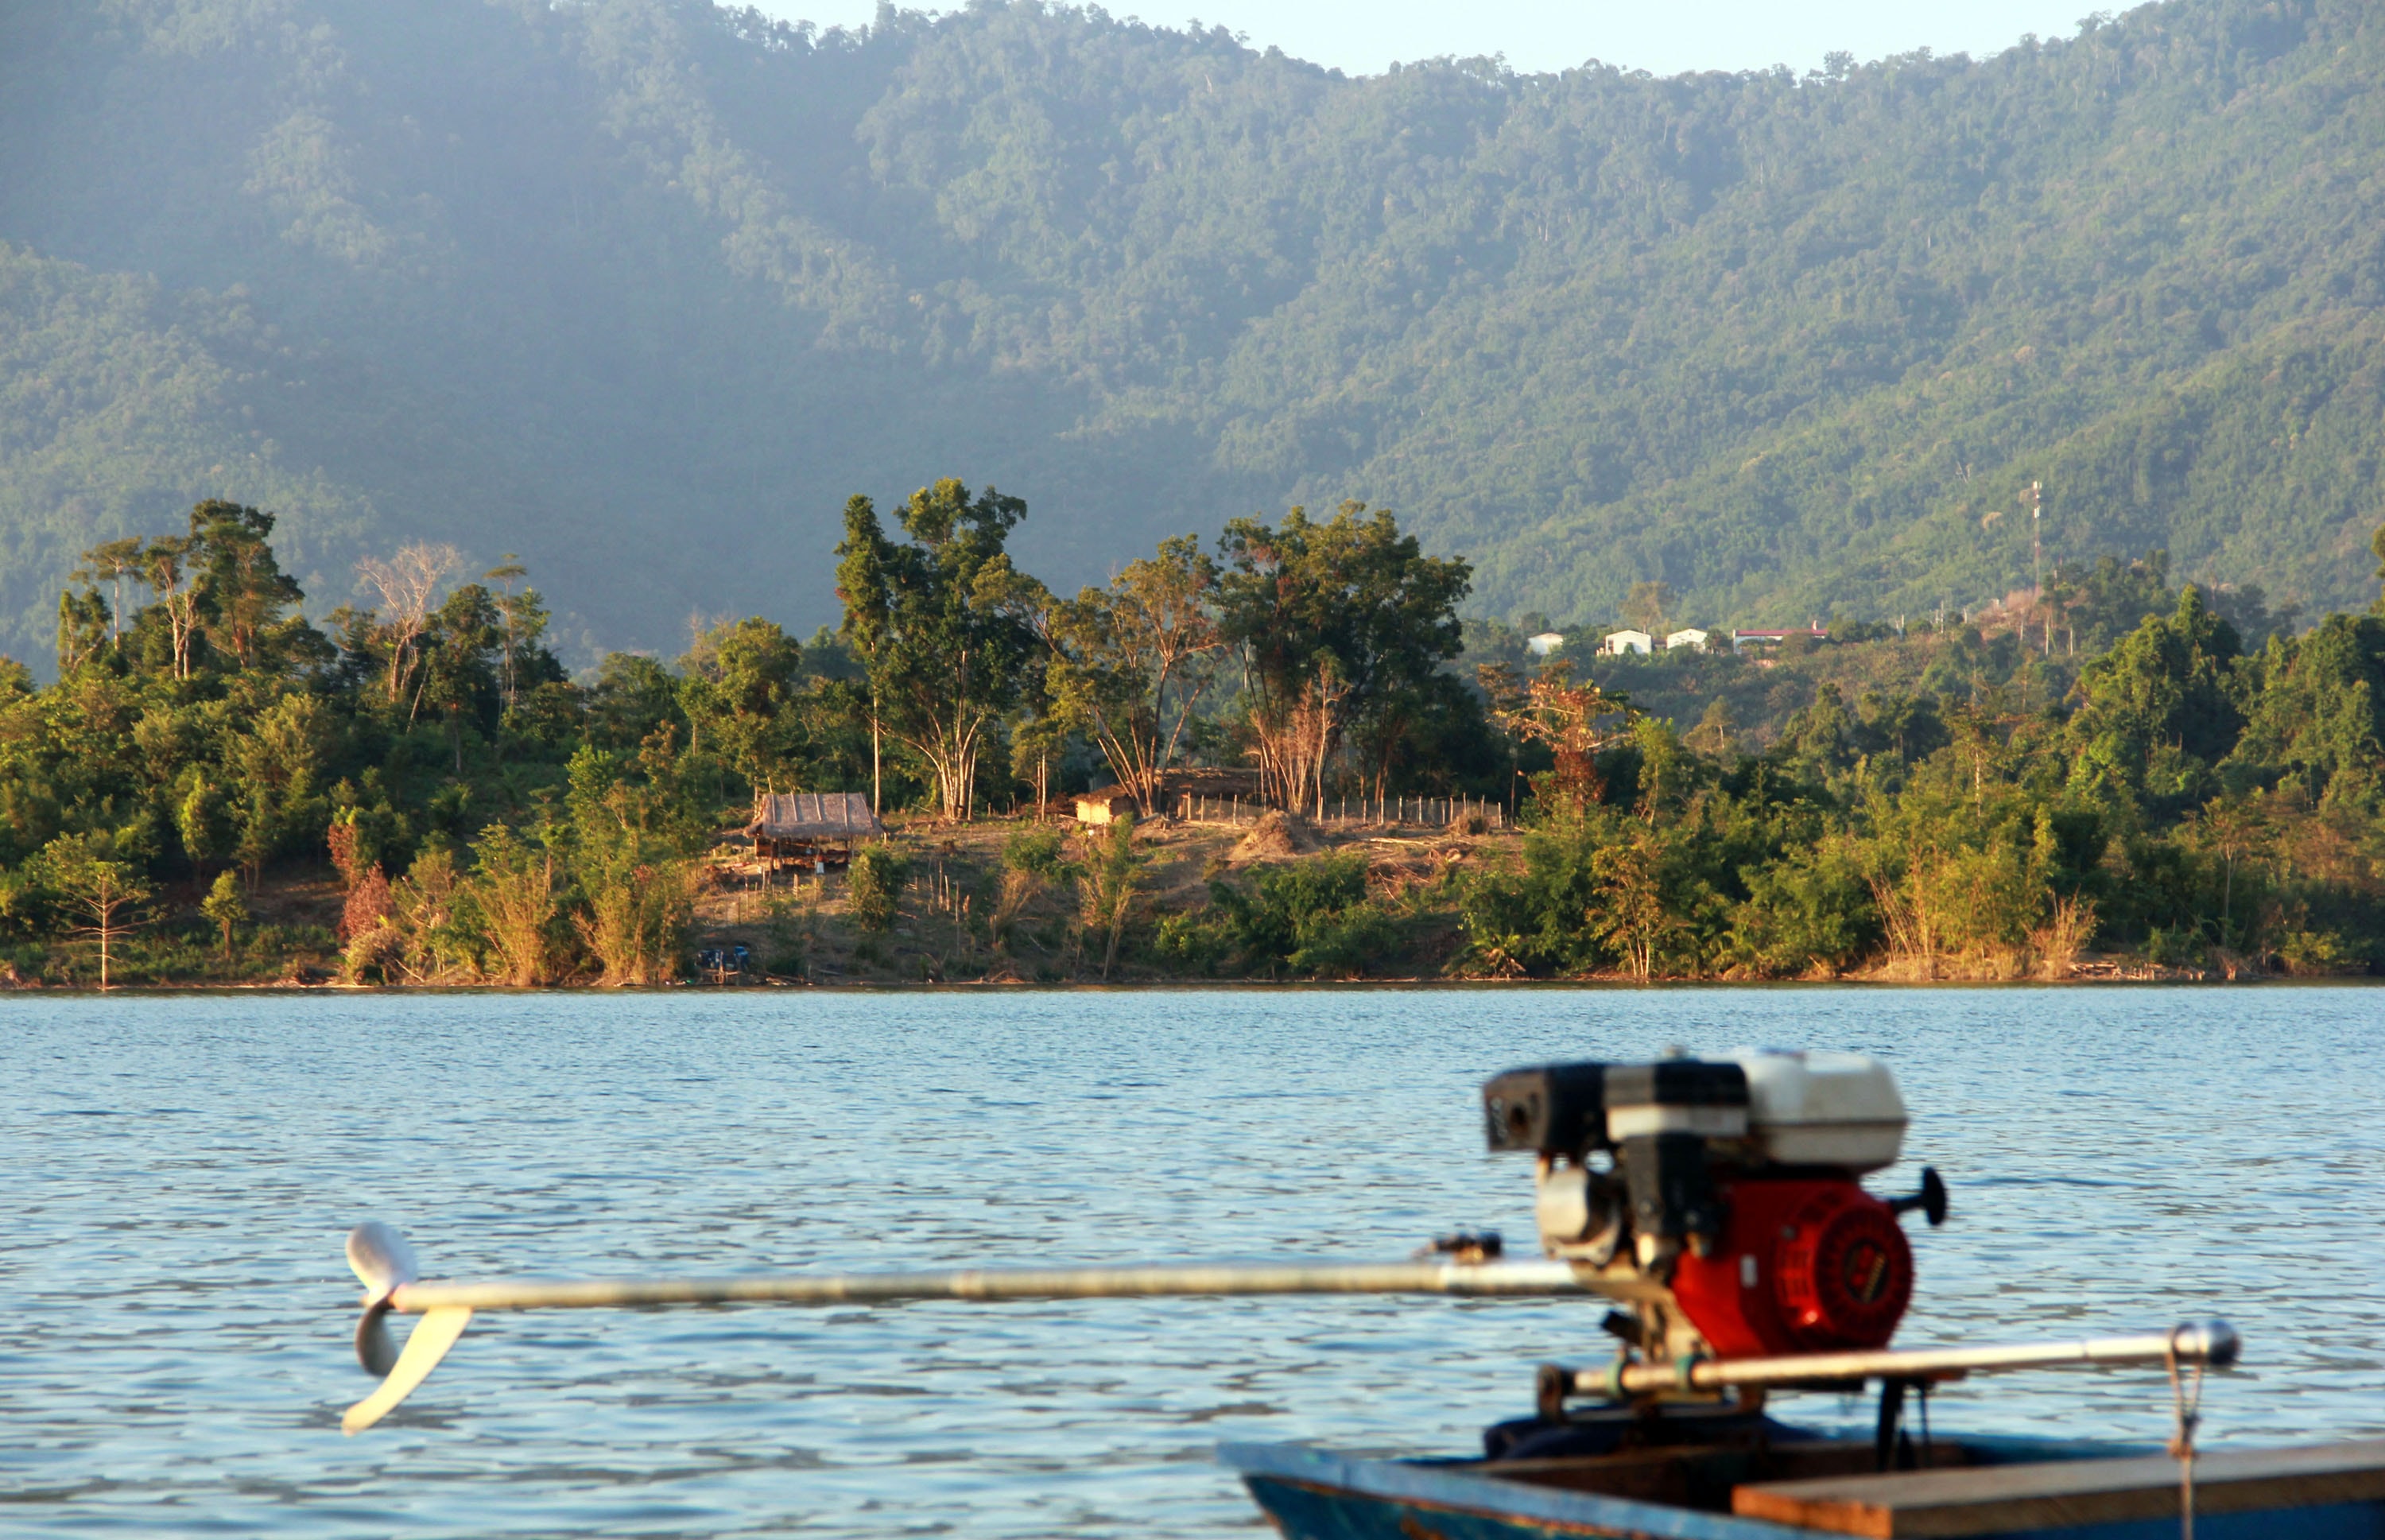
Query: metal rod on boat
(2214,1342)
(1507,1278)
(386,1265)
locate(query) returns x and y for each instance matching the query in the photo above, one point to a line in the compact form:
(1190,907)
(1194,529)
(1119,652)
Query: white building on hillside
(1690,637)
(1544,644)
(1617,643)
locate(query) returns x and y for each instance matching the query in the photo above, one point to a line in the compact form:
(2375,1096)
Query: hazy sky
(1665,36)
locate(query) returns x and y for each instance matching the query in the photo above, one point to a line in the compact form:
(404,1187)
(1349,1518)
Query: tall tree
(1335,624)
(942,624)
(634,696)
(99,887)
(2162,706)
(111,562)
(240,590)
(738,687)
(1126,664)
(82,628)
(165,567)
(1647,605)
(457,678)
(522,614)
(1575,721)
(277,762)
(2320,713)
(407,583)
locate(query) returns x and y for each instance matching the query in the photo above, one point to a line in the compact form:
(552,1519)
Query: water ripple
(174,1350)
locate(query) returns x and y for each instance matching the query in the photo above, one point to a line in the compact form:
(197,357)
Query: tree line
(1962,804)
(490,817)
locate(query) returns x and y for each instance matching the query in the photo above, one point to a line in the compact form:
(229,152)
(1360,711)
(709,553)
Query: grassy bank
(1017,902)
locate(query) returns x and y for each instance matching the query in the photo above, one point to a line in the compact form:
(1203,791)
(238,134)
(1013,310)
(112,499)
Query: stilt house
(811,828)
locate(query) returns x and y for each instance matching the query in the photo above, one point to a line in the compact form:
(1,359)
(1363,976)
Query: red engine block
(1803,1266)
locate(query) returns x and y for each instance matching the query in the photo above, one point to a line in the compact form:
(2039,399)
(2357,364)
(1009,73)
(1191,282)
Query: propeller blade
(375,1349)
(433,1336)
(381,1260)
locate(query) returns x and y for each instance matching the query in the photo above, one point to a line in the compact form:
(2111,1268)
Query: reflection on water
(174,1350)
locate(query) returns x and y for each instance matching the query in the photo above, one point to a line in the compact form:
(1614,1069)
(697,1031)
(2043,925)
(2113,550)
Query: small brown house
(1110,803)
(811,827)
(1105,805)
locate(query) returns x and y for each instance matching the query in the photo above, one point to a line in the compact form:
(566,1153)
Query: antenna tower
(2036,495)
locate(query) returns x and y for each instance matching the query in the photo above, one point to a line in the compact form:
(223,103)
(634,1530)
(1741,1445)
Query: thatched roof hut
(790,819)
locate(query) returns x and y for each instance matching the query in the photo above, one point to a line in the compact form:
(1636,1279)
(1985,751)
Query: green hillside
(642,289)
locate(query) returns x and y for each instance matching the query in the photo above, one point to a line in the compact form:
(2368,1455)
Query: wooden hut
(1110,803)
(812,829)
(1105,805)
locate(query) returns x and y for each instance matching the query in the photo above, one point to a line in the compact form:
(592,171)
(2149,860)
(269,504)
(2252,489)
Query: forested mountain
(642,289)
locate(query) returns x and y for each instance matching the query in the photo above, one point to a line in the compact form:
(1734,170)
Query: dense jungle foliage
(1966,800)
(645,285)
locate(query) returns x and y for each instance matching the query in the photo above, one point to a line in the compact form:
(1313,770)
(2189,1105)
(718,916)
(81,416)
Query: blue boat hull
(1315,1494)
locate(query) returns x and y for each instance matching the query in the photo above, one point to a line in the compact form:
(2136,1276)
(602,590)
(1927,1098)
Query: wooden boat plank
(2007,1500)
(1459,1500)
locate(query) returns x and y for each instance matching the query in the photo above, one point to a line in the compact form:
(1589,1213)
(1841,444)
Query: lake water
(175,1312)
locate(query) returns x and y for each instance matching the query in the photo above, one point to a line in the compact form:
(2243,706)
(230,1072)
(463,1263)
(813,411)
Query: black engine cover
(1550,1110)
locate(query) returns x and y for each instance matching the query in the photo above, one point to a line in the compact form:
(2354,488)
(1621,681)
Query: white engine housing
(1823,1109)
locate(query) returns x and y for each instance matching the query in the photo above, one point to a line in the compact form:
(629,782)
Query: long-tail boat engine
(1728,1190)
(1722,1199)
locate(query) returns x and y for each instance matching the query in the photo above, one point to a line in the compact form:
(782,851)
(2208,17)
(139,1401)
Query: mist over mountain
(643,289)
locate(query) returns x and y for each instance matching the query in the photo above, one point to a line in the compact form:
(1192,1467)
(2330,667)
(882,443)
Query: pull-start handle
(1931,1199)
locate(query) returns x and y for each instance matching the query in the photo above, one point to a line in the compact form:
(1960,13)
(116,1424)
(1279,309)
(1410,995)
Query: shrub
(378,956)
(2181,946)
(430,915)
(1039,852)
(225,907)
(1631,915)
(637,921)
(873,883)
(786,955)
(1019,889)
(2067,931)
(1308,917)
(514,894)
(24,963)
(1191,942)
(1107,882)
(367,902)
(1537,919)
(2320,952)
(1810,912)
(629,850)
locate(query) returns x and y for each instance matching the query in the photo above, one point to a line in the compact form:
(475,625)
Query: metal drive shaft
(1476,1279)
(2214,1342)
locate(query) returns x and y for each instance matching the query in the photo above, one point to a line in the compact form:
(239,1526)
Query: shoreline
(2152,977)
